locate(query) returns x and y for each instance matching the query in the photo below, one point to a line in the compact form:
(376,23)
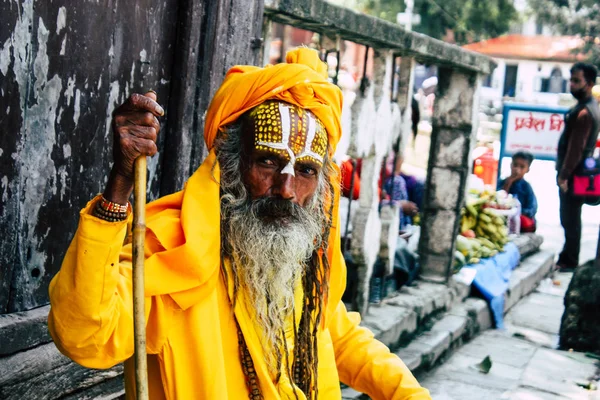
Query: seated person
(516,185)
(405,190)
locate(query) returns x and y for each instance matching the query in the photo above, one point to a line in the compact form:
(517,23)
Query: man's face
(519,167)
(579,87)
(284,152)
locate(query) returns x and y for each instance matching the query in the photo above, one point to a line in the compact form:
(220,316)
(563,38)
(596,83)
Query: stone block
(479,313)
(539,311)
(455,98)
(447,389)
(528,243)
(413,360)
(431,345)
(444,190)
(23,330)
(439,233)
(451,323)
(435,268)
(453,147)
(422,299)
(525,278)
(521,393)
(390,322)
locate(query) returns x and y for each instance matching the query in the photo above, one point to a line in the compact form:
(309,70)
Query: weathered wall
(64,66)
(63,70)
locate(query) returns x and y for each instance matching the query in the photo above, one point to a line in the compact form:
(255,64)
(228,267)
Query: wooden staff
(139,314)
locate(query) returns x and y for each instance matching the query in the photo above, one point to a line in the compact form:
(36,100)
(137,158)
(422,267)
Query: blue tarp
(492,279)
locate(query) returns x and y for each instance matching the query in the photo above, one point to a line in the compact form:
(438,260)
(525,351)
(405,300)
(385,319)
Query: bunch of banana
(470,213)
(492,228)
(468,221)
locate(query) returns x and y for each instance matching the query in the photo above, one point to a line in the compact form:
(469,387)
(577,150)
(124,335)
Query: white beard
(268,260)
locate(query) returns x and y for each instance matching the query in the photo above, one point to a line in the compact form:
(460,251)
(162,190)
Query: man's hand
(135,129)
(409,208)
(563,184)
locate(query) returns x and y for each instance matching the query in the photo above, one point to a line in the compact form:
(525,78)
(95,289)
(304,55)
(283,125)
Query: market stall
(484,247)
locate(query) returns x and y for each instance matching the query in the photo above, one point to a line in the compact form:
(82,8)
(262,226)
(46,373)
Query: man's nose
(285,187)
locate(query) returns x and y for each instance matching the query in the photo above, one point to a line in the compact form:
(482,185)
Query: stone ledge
(527,276)
(462,321)
(398,318)
(465,320)
(23,330)
(459,324)
(326,18)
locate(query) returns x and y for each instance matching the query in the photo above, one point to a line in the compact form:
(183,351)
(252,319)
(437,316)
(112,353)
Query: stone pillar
(452,138)
(371,136)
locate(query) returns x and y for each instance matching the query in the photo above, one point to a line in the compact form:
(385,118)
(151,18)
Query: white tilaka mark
(312,131)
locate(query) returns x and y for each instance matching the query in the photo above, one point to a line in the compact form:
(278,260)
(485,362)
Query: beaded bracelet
(109,211)
(113,207)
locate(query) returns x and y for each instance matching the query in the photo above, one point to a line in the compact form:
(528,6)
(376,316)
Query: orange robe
(191,331)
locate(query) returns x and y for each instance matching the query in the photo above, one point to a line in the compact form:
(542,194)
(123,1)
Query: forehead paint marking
(312,131)
(284,114)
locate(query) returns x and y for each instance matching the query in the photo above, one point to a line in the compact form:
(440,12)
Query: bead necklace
(248,368)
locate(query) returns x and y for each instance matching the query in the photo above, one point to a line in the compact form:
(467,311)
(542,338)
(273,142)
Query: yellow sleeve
(366,365)
(91,314)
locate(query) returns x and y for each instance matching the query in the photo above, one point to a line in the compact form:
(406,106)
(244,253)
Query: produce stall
(484,245)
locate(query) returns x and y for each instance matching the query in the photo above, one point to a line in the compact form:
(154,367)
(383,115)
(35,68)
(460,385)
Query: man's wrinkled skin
(135,130)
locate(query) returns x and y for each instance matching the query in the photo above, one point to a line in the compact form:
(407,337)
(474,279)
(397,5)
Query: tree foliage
(573,17)
(462,21)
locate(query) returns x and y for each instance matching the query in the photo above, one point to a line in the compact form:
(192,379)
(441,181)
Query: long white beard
(269,257)
(269,250)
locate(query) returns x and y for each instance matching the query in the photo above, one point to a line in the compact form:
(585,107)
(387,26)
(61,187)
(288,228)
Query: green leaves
(574,17)
(484,366)
(460,21)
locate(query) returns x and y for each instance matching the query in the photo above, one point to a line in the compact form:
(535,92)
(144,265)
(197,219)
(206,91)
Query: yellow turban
(301,81)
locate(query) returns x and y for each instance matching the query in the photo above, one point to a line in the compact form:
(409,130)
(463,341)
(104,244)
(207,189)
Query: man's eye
(306,170)
(266,161)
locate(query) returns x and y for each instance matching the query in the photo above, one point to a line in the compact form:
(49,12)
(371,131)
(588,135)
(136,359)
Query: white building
(532,69)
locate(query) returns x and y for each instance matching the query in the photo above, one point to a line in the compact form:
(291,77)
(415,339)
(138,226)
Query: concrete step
(448,315)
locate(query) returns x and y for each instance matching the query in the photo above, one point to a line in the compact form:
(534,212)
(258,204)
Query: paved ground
(525,365)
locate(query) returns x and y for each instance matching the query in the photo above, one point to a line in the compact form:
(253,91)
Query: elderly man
(244,273)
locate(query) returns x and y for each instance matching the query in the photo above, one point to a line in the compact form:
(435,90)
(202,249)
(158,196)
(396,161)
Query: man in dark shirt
(516,185)
(579,136)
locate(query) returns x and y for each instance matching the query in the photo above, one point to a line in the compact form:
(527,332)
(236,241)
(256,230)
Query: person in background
(578,139)
(516,185)
(406,190)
